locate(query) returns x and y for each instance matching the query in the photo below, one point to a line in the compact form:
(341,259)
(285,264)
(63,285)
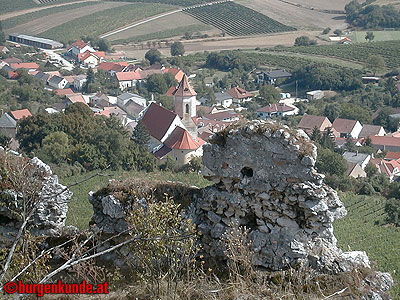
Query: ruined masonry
(264,179)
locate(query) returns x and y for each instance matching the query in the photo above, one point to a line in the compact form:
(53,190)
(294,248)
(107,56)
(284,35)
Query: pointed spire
(184,89)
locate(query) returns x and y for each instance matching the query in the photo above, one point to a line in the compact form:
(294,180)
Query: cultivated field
(363,229)
(162,25)
(359,36)
(103,21)
(320,4)
(45,23)
(301,18)
(237,20)
(25,6)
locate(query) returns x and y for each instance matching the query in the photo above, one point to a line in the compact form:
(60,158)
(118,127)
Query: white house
(359,158)
(127,79)
(277,109)
(79,81)
(345,128)
(58,82)
(240,95)
(79,47)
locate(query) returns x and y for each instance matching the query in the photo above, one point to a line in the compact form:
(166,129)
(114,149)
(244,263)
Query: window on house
(187,108)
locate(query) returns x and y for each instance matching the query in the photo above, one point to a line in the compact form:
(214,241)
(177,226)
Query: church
(174,133)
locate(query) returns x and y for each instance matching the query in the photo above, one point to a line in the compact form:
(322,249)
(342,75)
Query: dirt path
(45,23)
(25,11)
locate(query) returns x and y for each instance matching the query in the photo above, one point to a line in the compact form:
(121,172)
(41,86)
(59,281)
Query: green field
(173,2)
(178,31)
(380,36)
(236,19)
(80,210)
(363,229)
(15,5)
(15,21)
(104,21)
(360,52)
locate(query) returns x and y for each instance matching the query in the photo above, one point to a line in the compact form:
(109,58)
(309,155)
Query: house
(58,82)
(8,126)
(113,111)
(4,50)
(79,81)
(127,79)
(223,99)
(133,109)
(124,98)
(371,130)
(99,100)
(64,92)
(12,60)
(239,95)
(345,41)
(309,122)
(212,125)
(12,75)
(388,168)
(392,155)
(75,98)
(30,67)
(315,95)
(225,116)
(205,110)
(385,143)
(359,158)
(113,68)
(79,47)
(277,109)
(90,59)
(272,76)
(355,170)
(178,73)
(346,127)
(20,114)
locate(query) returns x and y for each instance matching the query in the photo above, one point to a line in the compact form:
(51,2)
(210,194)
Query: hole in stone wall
(248,172)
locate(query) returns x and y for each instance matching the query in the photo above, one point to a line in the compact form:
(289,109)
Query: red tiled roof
(178,73)
(157,120)
(79,44)
(12,75)
(385,140)
(344,125)
(111,110)
(109,66)
(30,65)
(125,76)
(311,121)
(63,92)
(277,107)
(182,140)
(205,109)
(19,114)
(392,155)
(170,91)
(12,60)
(220,116)
(370,130)
(75,98)
(384,166)
(239,93)
(184,89)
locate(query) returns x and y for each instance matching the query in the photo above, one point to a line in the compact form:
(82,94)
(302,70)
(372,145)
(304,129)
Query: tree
(375,63)
(326,30)
(56,147)
(349,144)
(329,162)
(304,41)
(371,170)
(141,135)
(369,36)
(269,94)
(392,208)
(177,49)
(332,111)
(153,56)
(104,45)
(156,83)
(338,32)
(2,35)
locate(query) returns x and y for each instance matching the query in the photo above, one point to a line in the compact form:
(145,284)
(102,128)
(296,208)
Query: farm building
(315,95)
(34,41)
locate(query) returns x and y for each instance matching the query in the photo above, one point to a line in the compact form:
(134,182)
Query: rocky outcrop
(51,213)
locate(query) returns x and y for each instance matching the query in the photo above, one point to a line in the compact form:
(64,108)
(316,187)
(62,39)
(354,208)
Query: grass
(359,36)
(105,21)
(8,6)
(178,31)
(80,210)
(15,21)
(363,229)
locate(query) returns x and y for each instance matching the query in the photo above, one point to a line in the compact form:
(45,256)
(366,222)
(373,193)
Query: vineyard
(363,229)
(15,5)
(389,50)
(172,2)
(236,19)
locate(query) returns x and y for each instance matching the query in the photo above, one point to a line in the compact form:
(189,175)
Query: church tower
(185,104)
